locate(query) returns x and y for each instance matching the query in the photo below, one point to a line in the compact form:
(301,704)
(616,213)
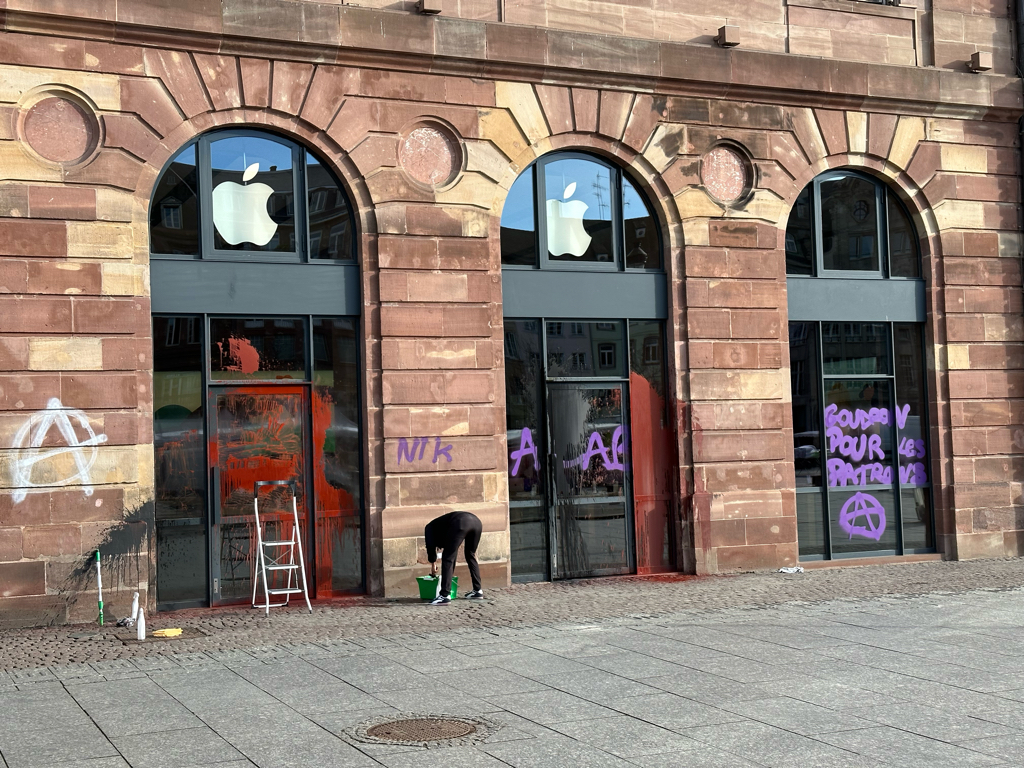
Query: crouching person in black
(447,533)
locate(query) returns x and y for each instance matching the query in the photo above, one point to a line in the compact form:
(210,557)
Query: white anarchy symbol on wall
(34,432)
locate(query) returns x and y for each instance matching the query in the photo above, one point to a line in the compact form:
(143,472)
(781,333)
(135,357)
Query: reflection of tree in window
(578,361)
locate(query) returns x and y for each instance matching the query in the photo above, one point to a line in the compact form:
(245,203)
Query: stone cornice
(354,36)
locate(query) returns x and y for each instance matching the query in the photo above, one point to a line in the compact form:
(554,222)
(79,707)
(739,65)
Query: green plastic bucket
(429,586)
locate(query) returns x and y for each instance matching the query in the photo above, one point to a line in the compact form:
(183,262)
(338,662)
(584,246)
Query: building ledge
(856,6)
(354,36)
(852,562)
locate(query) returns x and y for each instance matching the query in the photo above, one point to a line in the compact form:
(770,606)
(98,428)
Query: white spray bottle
(140,627)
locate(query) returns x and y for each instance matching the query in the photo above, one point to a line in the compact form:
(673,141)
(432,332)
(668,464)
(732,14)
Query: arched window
(256,338)
(585,300)
(571,210)
(245,193)
(857,363)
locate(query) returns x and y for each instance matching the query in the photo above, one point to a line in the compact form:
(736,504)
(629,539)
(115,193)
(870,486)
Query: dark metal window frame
(897,487)
(204,202)
(882,196)
(617,264)
(208,384)
(863,297)
(604,290)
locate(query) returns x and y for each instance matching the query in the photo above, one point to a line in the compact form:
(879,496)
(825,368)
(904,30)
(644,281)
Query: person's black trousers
(467,528)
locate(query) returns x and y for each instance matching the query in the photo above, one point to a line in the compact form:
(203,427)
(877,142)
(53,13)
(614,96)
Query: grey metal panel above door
(254,288)
(823,298)
(576,294)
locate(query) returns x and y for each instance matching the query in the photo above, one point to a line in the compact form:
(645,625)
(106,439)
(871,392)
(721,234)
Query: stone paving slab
(850,682)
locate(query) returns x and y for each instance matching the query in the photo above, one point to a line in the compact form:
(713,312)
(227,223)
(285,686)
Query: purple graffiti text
(409,452)
(526,448)
(914,474)
(840,474)
(911,448)
(596,447)
(858,419)
(901,416)
(855,447)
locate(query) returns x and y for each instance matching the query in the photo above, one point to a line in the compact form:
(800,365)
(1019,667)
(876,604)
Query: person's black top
(443,530)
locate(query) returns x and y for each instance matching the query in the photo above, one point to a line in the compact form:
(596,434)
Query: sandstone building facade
(640,301)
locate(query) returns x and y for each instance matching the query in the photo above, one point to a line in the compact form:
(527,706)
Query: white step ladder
(275,556)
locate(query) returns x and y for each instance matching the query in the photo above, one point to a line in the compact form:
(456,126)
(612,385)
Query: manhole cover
(421,729)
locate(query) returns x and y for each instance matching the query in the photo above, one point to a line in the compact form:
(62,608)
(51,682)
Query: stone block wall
(942,33)
(428,144)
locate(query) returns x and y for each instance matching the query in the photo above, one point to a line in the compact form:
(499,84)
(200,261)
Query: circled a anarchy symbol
(34,432)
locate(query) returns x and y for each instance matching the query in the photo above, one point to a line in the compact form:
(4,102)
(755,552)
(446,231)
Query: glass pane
(526,450)
(336,455)
(577,349)
(331,230)
(640,229)
(253,203)
(805,382)
(859,447)
(810,524)
(179,458)
(849,224)
(856,349)
(910,404)
(917,519)
(862,521)
(518,224)
(589,438)
(651,445)
(800,236)
(578,203)
(257,348)
(903,256)
(859,433)
(174,214)
(259,436)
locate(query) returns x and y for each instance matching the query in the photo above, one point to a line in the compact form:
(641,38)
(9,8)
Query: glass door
(257,433)
(591,517)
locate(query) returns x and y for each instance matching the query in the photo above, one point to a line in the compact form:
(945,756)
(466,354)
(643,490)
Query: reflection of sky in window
(183,164)
(518,210)
(593,185)
(238,153)
(632,204)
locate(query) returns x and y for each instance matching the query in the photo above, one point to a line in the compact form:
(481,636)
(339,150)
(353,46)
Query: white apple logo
(240,212)
(565,225)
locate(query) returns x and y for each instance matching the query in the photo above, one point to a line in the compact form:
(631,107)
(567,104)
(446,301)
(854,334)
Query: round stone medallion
(59,130)
(726,174)
(430,155)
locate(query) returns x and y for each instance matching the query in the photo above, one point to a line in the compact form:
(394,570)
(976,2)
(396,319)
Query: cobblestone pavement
(520,606)
(909,665)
